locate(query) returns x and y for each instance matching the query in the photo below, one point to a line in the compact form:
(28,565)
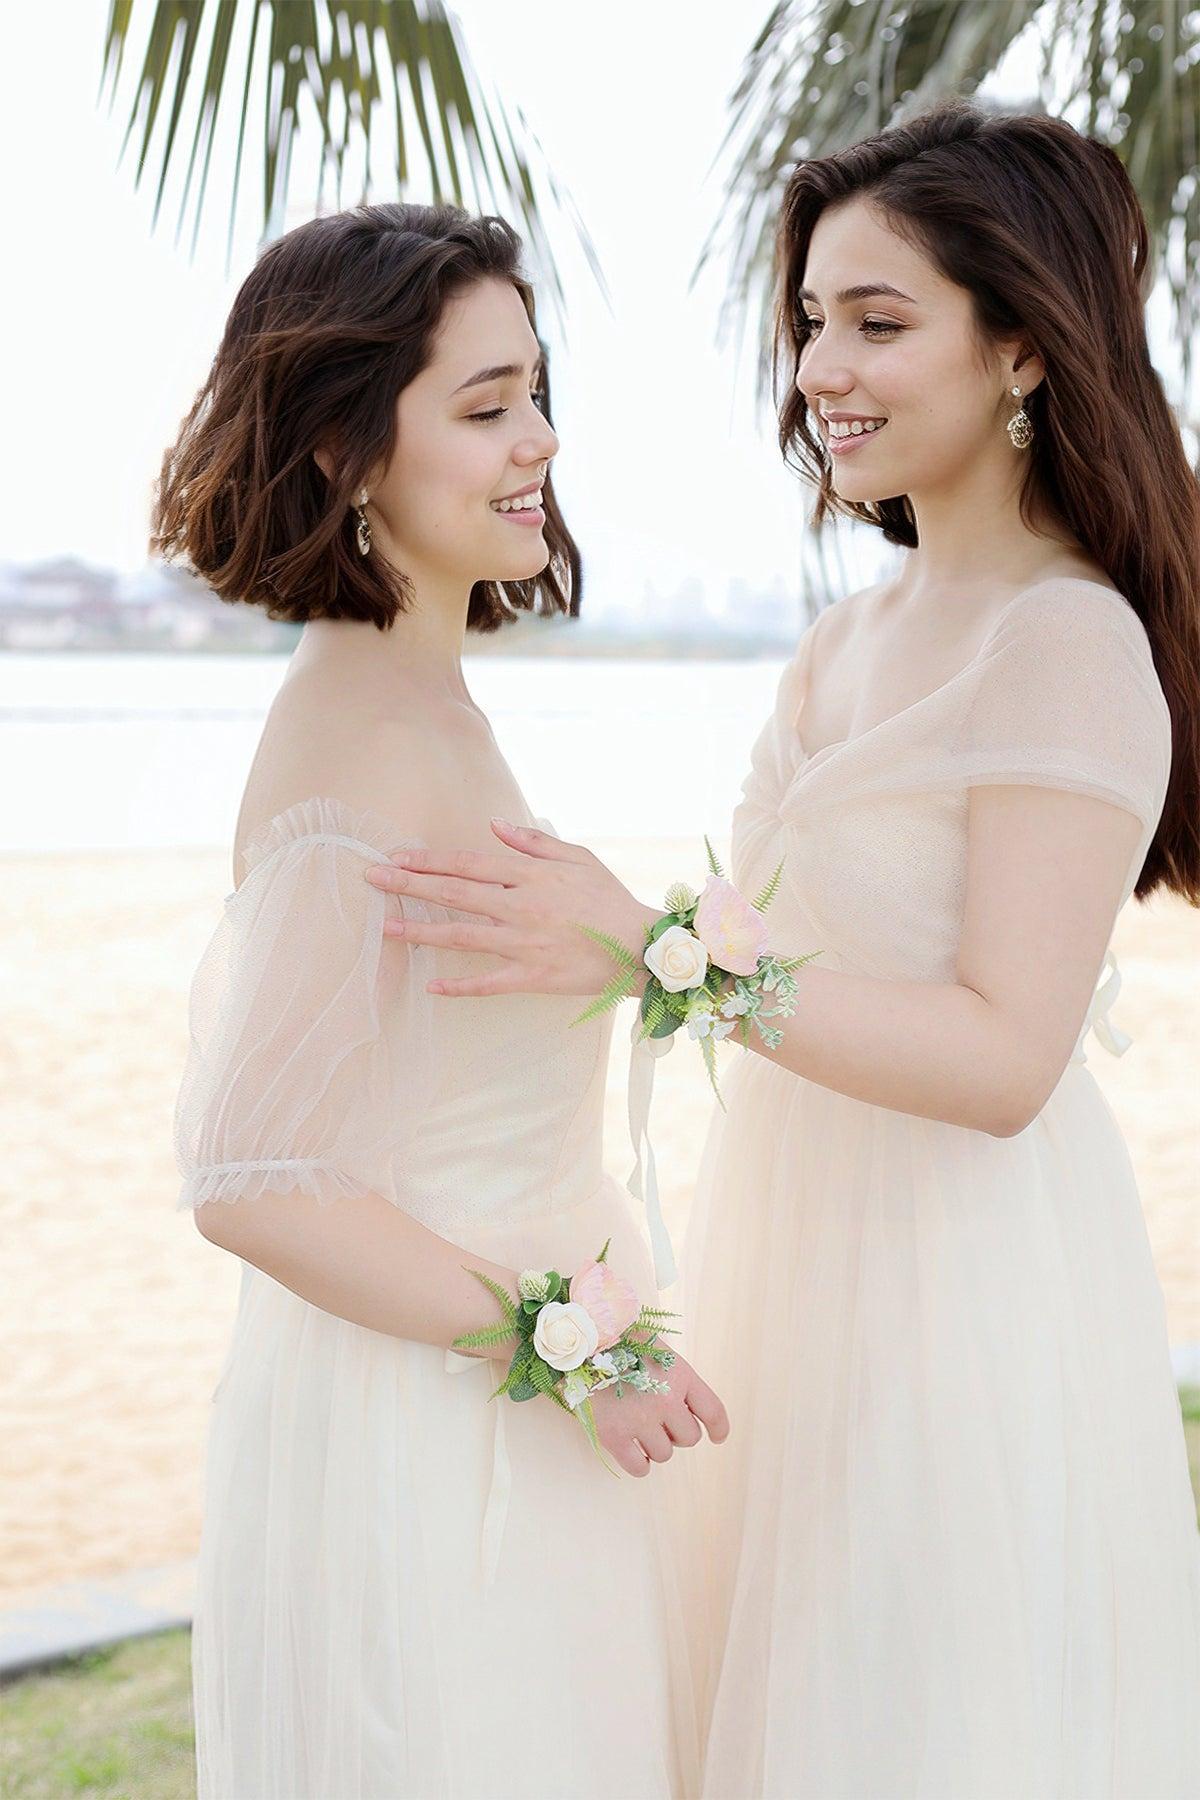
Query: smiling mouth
(519,503)
(521,514)
(847,441)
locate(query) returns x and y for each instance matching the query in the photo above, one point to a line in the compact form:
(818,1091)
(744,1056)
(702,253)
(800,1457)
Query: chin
(524,568)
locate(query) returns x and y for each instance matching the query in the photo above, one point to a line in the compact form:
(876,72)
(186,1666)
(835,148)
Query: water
(137,752)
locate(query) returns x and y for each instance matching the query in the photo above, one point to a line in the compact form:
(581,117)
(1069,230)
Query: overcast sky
(665,472)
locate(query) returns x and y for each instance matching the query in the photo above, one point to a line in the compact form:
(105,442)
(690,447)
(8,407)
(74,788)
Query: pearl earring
(1020,426)
(363,532)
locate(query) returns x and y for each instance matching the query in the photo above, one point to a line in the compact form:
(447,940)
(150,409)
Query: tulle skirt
(346,1644)
(949,1551)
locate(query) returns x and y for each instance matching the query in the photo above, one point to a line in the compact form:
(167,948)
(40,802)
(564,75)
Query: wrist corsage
(576,1337)
(710,968)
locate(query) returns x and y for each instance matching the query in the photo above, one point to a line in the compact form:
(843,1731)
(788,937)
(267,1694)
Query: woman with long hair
(952,1550)
(402,1592)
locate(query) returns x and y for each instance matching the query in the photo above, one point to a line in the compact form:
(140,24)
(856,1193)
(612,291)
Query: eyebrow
(864,291)
(500,372)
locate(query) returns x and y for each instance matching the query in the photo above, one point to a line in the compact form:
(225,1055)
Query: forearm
(365,1260)
(938,1050)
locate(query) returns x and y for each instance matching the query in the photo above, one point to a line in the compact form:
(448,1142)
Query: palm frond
(823,73)
(349,60)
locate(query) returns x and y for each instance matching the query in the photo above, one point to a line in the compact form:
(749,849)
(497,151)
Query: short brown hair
(335,318)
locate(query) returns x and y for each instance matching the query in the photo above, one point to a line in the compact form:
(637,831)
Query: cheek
(447,486)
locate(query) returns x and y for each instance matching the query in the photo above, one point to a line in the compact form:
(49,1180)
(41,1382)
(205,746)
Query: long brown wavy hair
(334,319)
(1043,228)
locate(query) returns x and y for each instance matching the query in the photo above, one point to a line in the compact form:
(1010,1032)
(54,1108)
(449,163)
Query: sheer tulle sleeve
(772,757)
(309,1057)
(1066,695)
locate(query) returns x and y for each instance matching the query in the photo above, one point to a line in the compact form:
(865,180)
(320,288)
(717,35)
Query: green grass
(117,1724)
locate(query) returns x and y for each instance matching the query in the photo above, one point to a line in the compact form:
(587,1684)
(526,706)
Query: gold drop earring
(1020,426)
(363,532)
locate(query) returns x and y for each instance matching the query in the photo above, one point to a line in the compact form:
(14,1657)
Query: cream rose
(678,959)
(565,1334)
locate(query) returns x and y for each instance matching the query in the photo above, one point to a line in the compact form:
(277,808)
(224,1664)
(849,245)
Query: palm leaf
(824,73)
(349,59)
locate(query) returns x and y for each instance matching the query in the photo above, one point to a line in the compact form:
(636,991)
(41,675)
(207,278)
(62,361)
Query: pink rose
(732,931)
(609,1299)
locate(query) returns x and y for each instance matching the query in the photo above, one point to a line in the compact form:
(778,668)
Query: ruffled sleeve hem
(325,820)
(324,1180)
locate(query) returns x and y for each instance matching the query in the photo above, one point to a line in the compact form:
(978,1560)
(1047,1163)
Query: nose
(542,445)
(817,373)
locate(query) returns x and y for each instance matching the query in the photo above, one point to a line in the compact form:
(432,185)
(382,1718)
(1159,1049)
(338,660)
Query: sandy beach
(119,1312)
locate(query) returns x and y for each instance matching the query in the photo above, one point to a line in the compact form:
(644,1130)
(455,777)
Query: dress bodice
(873,830)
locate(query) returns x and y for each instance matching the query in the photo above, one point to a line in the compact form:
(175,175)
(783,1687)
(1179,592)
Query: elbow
(205,1219)
(1020,1102)
(217,1223)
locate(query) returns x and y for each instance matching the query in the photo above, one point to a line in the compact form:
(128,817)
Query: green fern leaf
(485,1337)
(794,962)
(507,1306)
(709,1053)
(542,1376)
(769,892)
(611,996)
(713,864)
(620,953)
(654,1014)
(587,1419)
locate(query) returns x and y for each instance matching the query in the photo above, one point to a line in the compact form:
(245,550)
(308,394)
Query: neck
(424,644)
(971,535)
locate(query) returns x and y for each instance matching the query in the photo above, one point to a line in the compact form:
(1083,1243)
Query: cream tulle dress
(950,1548)
(403,1592)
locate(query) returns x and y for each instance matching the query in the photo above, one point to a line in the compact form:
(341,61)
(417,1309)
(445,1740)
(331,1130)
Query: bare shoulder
(315,743)
(836,623)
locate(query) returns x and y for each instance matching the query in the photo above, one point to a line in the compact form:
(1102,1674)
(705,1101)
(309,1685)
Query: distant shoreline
(614,646)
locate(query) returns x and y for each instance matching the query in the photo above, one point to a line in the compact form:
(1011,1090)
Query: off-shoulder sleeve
(773,753)
(309,1030)
(1065,694)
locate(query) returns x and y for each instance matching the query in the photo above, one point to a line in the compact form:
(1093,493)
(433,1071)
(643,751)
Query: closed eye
(873,327)
(538,397)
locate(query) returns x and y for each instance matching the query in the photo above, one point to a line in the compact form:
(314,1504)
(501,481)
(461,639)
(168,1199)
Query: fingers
(631,1456)
(441,890)
(489,935)
(537,843)
(708,1408)
(656,1443)
(469,865)
(505,981)
(683,1428)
